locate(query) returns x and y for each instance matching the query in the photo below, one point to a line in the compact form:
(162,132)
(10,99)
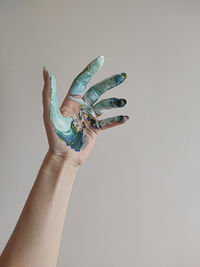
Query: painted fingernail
(121,77)
(124,75)
(120,118)
(98,60)
(121,102)
(101,59)
(45,69)
(44,73)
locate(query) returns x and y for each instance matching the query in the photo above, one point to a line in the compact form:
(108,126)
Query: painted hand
(73,127)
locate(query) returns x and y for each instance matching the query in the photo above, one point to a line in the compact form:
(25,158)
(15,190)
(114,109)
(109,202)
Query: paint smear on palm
(65,126)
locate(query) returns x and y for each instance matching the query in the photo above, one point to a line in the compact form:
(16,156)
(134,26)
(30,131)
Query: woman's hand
(72,128)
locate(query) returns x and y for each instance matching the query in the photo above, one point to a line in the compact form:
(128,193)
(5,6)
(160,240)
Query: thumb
(46,89)
(46,75)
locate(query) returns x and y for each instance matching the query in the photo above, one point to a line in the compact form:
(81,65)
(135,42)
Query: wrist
(63,158)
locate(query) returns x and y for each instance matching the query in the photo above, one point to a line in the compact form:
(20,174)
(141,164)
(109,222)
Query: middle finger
(93,94)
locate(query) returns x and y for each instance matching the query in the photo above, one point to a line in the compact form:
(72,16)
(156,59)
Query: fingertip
(99,61)
(127,117)
(122,102)
(45,69)
(124,75)
(101,58)
(120,78)
(122,118)
(45,73)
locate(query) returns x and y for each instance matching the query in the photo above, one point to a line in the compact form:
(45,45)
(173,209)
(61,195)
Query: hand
(72,128)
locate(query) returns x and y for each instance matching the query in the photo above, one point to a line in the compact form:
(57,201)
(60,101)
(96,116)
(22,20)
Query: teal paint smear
(65,126)
(93,94)
(108,121)
(80,82)
(60,122)
(85,108)
(109,103)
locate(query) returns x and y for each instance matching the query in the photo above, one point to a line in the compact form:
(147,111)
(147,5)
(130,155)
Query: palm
(76,122)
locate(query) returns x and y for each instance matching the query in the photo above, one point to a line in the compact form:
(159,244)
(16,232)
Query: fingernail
(45,69)
(101,59)
(45,72)
(121,102)
(124,75)
(127,117)
(123,118)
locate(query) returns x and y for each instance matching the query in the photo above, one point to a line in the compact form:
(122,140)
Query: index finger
(80,82)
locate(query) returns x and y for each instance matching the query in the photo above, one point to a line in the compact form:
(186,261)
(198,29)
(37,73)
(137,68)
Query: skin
(36,238)
(79,126)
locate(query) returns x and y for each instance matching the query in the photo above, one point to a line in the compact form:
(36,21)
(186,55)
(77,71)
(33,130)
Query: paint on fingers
(93,94)
(67,128)
(80,82)
(104,105)
(109,122)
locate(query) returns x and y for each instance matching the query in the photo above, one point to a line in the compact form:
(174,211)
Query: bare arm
(71,131)
(36,237)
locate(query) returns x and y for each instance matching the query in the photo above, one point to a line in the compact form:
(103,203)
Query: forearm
(36,238)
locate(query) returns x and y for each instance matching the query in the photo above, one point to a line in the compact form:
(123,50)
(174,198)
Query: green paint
(109,121)
(80,82)
(93,94)
(109,103)
(65,127)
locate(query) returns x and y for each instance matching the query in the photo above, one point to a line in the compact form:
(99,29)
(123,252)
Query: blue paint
(72,138)
(64,126)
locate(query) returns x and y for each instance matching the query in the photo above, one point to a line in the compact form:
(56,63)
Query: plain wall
(136,200)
